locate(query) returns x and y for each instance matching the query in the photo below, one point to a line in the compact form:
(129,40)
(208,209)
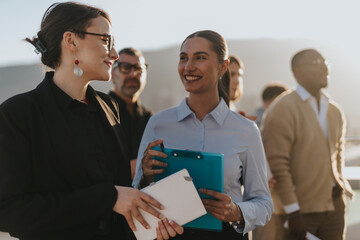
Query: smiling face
(199,67)
(94,57)
(130,83)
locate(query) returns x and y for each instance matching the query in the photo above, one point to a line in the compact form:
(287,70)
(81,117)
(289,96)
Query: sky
(156,24)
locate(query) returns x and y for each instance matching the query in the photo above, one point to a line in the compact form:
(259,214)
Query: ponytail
(223,87)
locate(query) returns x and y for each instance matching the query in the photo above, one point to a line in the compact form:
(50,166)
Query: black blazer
(44,189)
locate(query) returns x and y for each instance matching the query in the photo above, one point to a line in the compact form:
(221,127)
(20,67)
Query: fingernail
(147,227)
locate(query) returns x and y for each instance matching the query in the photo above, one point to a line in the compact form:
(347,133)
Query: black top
(92,133)
(59,162)
(134,126)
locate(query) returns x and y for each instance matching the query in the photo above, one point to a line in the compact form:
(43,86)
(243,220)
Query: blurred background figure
(270,92)
(304,137)
(236,85)
(129,78)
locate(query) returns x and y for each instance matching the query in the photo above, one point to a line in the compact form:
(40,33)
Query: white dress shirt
(324,102)
(221,131)
(321,116)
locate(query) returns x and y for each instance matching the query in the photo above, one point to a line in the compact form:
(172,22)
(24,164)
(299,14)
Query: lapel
(111,114)
(331,123)
(309,111)
(68,158)
(331,128)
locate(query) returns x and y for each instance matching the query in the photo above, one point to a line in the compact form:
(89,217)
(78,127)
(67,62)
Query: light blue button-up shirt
(221,131)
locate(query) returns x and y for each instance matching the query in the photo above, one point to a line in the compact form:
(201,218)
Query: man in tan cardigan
(303,134)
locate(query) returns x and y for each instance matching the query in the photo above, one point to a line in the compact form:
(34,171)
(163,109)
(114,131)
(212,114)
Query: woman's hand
(148,162)
(223,208)
(129,200)
(167,229)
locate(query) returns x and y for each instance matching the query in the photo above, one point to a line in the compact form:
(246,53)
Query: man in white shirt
(303,134)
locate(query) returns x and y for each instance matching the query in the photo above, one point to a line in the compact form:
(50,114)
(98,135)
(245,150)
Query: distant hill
(266,60)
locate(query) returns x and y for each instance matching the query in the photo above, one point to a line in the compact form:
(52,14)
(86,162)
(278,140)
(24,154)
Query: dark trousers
(228,233)
(324,225)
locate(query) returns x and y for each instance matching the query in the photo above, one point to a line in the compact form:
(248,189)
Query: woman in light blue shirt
(203,122)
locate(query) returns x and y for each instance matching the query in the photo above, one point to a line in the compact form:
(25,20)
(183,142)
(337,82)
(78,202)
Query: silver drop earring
(77,70)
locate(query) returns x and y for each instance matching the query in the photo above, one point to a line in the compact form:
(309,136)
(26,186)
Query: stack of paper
(178,195)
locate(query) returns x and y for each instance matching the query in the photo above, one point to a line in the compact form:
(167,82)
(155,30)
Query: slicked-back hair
(235,59)
(59,18)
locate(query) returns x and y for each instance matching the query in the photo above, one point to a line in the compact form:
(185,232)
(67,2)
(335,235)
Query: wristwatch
(239,223)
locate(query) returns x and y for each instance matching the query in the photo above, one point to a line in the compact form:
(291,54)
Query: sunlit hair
(135,53)
(273,90)
(59,18)
(234,59)
(219,46)
(131,51)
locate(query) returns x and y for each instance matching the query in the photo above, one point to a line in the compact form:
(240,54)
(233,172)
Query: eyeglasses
(318,62)
(126,67)
(107,37)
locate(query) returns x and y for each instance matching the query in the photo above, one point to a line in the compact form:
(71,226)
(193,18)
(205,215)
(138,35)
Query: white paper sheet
(181,201)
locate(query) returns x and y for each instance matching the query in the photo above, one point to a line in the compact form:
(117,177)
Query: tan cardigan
(305,163)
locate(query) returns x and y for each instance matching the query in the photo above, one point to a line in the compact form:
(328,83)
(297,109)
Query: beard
(129,88)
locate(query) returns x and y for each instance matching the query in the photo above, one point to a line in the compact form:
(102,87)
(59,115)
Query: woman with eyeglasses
(204,122)
(64,173)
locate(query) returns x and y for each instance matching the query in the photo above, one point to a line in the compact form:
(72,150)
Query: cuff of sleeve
(253,216)
(238,225)
(292,208)
(137,178)
(245,228)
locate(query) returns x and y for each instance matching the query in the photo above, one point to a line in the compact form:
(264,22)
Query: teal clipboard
(206,170)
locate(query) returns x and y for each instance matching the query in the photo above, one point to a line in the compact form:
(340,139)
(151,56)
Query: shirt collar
(305,95)
(118,99)
(122,104)
(61,97)
(65,100)
(183,110)
(219,113)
